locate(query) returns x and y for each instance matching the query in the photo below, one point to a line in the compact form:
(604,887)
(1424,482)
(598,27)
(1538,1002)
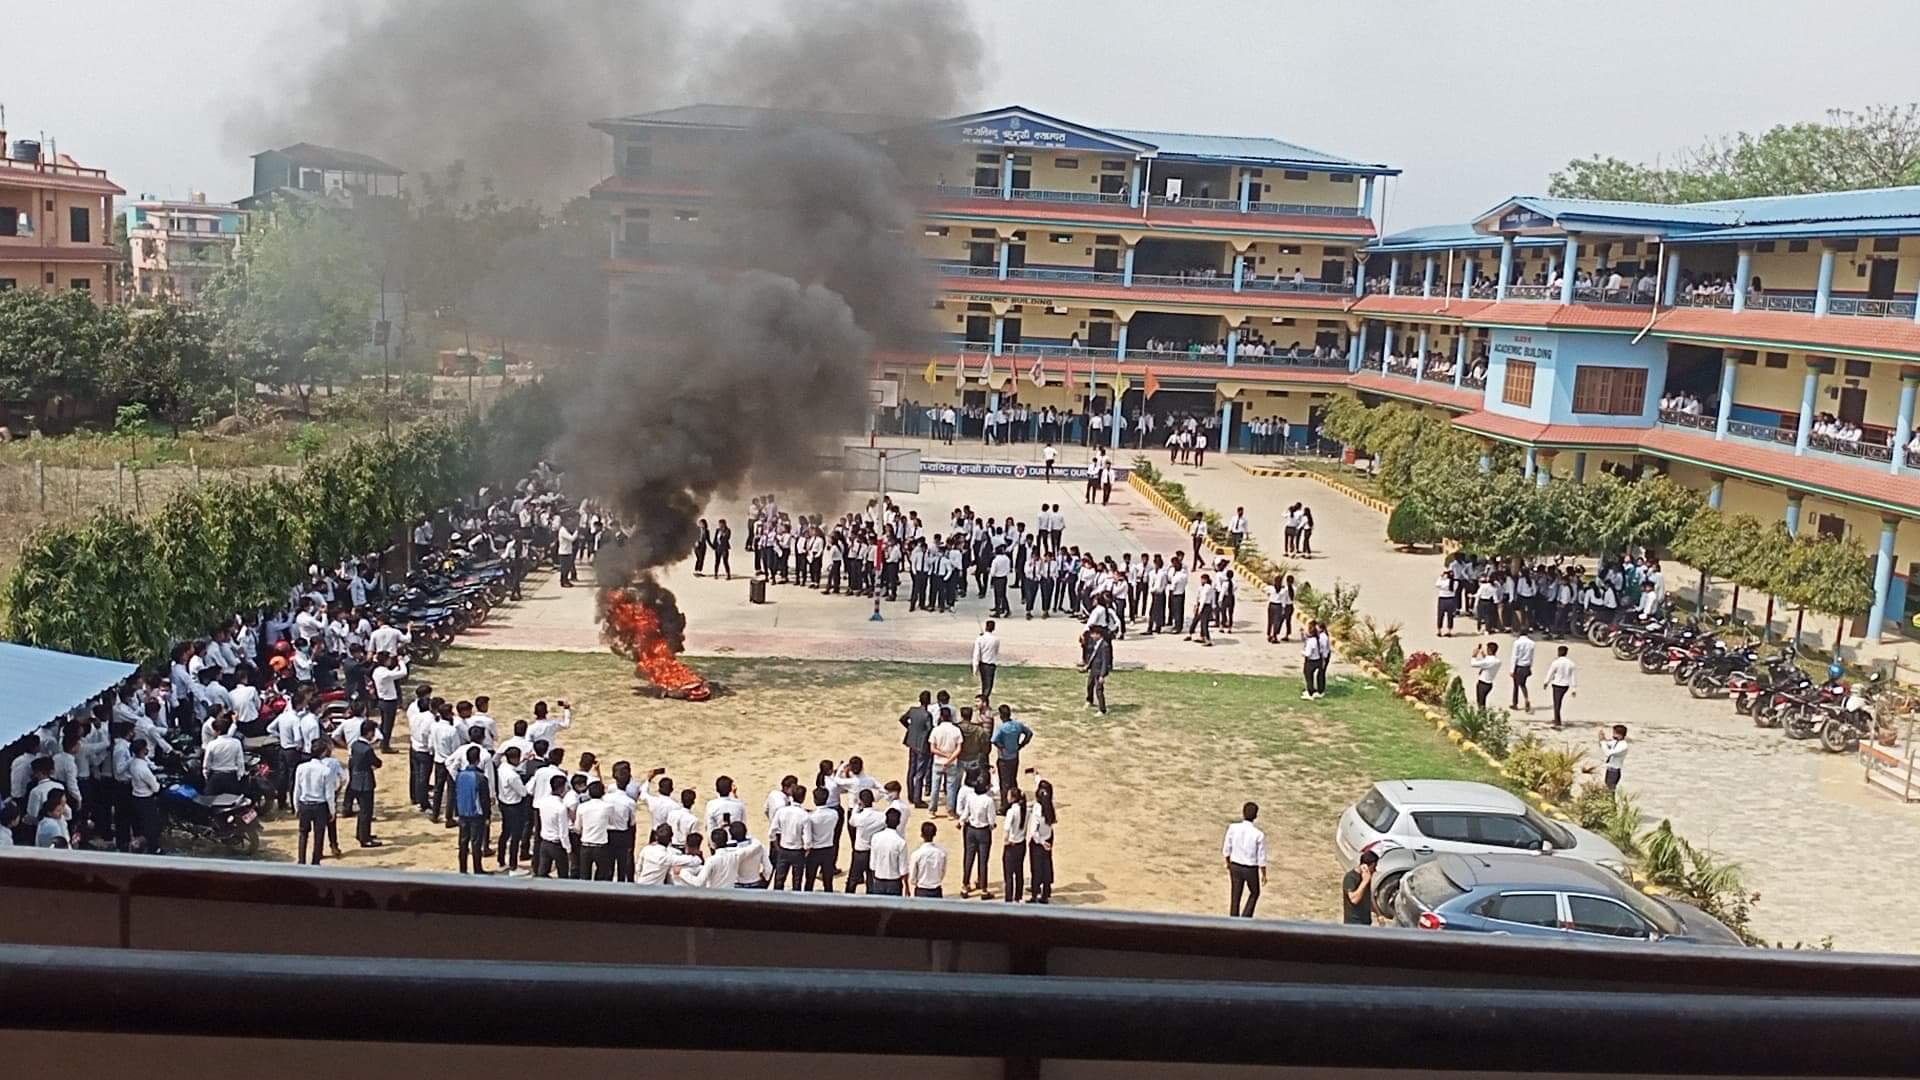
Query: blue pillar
(1420,362)
(1120,346)
(999,332)
(1506,267)
(1717,494)
(1542,473)
(1363,345)
(1671,287)
(1126,268)
(1742,275)
(1386,346)
(1359,280)
(1133,189)
(1393,276)
(1569,263)
(1226,425)
(1793,514)
(1353,353)
(1233,346)
(1426,282)
(1366,198)
(1882,579)
(1113,420)
(1466,280)
(1532,463)
(1903,427)
(1579,466)
(1808,388)
(1239,270)
(1006,176)
(1729,376)
(1823,293)
(1005,250)
(1460,357)
(1486,462)
(1553,264)
(1246,184)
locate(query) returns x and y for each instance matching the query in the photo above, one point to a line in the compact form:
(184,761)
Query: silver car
(1406,822)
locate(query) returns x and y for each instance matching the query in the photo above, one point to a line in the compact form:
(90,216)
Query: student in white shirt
(724,808)
(986,649)
(862,825)
(977,813)
(1245,851)
(315,784)
(787,840)
(1486,663)
(752,868)
(927,867)
(1560,680)
(1013,849)
(1523,649)
(887,858)
(1614,750)
(554,846)
(516,805)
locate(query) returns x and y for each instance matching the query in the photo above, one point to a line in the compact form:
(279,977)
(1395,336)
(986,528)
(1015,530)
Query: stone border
(1361,497)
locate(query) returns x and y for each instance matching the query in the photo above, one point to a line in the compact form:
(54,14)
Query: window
(984,234)
(1507,831)
(1527,909)
(936,230)
(1289,249)
(1113,166)
(1342,178)
(1060,237)
(1295,174)
(1764,247)
(8,283)
(639,161)
(1609,391)
(1859,369)
(1333,253)
(1796,245)
(1886,243)
(1776,359)
(1629,247)
(1107,239)
(1066,163)
(1440,826)
(986,159)
(81,284)
(1599,915)
(1850,244)
(1375,810)
(1518,389)
(15,221)
(49,278)
(686,215)
(1023,159)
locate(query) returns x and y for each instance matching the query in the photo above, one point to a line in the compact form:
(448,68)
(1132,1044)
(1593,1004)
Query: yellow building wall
(1760,386)
(1800,270)
(1294,407)
(1793,271)
(1266,259)
(1318,189)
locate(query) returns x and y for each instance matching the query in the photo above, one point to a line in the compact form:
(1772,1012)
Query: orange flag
(1152,383)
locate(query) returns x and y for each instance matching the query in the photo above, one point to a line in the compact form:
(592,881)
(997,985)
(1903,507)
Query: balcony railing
(1532,292)
(1682,418)
(1371,363)
(1283,285)
(1031,273)
(1706,300)
(1852,448)
(1185,281)
(1870,309)
(1302,209)
(1625,296)
(1767,433)
(1184,202)
(1798,305)
(1473,382)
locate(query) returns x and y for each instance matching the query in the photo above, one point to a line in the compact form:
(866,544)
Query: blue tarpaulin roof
(38,685)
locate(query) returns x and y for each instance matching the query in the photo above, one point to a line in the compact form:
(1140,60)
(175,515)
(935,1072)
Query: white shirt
(1523,651)
(722,809)
(593,815)
(720,871)
(928,866)
(386,639)
(512,790)
(553,821)
(246,703)
(789,828)
(945,741)
(544,730)
(682,822)
(1016,823)
(314,782)
(976,809)
(986,649)
(658,863)
(864,824)
(1615,751)
(225,755)
(887,858)
(1560,672)
(775,800)
(386,681)
(144,782)
(1487,666)
(1245,844)
(750,861)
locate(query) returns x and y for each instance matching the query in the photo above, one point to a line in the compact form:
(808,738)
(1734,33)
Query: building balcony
(1203,283)
(1878,455)
(1105,198)
(1106,354)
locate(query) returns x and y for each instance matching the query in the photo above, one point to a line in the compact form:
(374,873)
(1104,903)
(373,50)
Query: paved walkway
(1827,855)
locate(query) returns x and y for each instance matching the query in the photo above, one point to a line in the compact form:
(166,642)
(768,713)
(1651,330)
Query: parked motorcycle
(1854,720)
(226,821)
(1716,673)
(1746,688)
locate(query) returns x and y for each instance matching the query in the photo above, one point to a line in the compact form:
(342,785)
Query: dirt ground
(1144,793)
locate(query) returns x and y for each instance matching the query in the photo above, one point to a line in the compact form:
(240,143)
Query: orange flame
(653,659)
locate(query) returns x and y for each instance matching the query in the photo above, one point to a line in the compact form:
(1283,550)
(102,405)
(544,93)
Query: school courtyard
(1146,791)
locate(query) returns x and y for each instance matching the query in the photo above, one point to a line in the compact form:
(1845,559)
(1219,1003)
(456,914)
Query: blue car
(1546,896)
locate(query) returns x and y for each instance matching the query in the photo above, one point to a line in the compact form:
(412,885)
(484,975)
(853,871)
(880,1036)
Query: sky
(1474,100)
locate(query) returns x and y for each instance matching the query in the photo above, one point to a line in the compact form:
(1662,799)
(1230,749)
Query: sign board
(1531,346)
(1009,470)
(889,470)
(1520,218)
(1027,131)
(883,393)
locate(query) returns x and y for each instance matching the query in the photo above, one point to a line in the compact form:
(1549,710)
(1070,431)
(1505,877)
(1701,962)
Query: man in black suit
(361,763)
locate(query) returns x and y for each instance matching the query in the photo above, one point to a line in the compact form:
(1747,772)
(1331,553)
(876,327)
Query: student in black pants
(1013,853)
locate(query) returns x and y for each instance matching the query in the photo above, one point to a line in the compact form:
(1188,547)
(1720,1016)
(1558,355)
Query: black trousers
(884,888)
(1013,871)
(976,848)
(363,821)
(547,855)
(721,564)
(1042,881)
(1559,694)
(473,840)
(1157,613)
(442,785)
(1480,692)
(123,814)
(1009,773)
(620,842)
(1245,879)
(313,822)
(419,778)
(512,845)
(596,862)
(987,672)
(1000,606)
(822,864)
(146,816)
(788,861)
(859,871)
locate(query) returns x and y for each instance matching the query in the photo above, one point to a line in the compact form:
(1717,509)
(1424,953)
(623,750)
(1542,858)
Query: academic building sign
(1028,132)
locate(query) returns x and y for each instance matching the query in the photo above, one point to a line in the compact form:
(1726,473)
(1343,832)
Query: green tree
(55,345)
(295,304)
(1643,513)
(168,361)
(1875,147)
(1408,525)
(1828,575)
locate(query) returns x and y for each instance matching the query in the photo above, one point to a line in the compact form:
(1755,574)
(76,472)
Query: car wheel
(1386,892)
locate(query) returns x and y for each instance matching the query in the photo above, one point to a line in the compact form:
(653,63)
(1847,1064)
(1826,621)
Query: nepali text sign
(1007,471)
(1520,218)
(1025,131)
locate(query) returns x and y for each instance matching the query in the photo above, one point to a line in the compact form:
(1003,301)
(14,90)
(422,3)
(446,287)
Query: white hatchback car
(1408,821)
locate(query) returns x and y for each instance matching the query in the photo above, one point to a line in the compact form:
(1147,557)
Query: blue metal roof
(1244,148)
(1450,237)
(1806,230)
(38,686)
(1824,206)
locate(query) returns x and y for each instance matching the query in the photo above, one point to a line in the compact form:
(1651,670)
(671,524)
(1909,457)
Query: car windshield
(1650,909)
(1376,811)
(1430,886)
(1556,834)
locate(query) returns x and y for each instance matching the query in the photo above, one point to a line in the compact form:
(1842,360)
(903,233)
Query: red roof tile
(1838,332)
(1438,393)
(1130,217)
(60,253)
(1439,307)
(1119,294)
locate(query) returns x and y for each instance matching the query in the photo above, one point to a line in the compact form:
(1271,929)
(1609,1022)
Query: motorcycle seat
(218,802)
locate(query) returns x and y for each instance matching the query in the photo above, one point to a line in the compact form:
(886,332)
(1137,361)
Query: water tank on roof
(26,150)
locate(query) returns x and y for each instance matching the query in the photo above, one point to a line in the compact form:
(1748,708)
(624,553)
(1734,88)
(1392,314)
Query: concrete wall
(1557,358)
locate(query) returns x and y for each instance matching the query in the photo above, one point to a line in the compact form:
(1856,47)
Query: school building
(1245,277)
